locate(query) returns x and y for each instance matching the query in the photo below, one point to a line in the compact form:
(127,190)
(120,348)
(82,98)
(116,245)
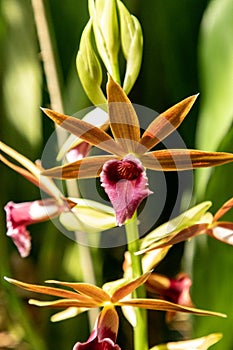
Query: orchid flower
(104,334)
(72,212)
(176,290)
(116,293)
(122,173)
(20,215)
(193,222)
(172,289)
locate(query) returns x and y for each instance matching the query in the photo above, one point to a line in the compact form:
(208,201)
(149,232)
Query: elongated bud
(106,30)
(89,68)
(132,45)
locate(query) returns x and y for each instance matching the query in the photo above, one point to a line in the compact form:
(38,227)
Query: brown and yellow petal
(63,293)
(224,209)
(123,118)
(129,287)
(163,305)
(89,167)
(178,237)
(183,159)
(87,289)
(86,131)
(166,123)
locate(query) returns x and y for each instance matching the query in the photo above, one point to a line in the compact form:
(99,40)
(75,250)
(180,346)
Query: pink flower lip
(126,185)
(104,334)
(20,215)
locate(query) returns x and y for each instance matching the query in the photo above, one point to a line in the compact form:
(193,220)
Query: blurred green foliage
(187,48)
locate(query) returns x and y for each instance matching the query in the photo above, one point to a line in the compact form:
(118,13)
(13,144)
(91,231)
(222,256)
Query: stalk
(140,330)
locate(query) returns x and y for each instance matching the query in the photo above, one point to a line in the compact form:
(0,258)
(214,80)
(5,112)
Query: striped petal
(178,237)
(123,118)
(163,305)
(183,159)
(89,167)
(129,287)
(223,232)
(90,290)
(166,123)
(47,290)
(86,131)
(224,209)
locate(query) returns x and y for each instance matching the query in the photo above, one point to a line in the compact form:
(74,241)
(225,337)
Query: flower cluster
(122,170)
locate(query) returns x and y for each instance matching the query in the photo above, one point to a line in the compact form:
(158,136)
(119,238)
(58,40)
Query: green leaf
(216,71)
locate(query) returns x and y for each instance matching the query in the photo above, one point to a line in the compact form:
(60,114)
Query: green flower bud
(132,45)
(89,68)
(88,216)
(106,30)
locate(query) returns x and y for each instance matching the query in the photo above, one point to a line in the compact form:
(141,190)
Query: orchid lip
(126,185)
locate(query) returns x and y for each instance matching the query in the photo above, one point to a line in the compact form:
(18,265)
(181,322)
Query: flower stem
(140,330)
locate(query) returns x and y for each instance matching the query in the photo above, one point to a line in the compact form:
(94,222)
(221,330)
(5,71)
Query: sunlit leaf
(216,70)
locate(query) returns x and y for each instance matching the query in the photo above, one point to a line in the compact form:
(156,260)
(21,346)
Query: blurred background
(188,48)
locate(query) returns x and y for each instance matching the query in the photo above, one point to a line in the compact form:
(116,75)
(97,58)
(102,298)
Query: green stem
(140,330)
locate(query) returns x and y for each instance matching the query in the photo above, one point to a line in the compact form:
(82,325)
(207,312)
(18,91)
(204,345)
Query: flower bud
(88,216)
(132,42)
(89,68)
(106,30)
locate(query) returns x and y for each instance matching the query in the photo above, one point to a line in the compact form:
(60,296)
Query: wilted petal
(103,336)
(126,185)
